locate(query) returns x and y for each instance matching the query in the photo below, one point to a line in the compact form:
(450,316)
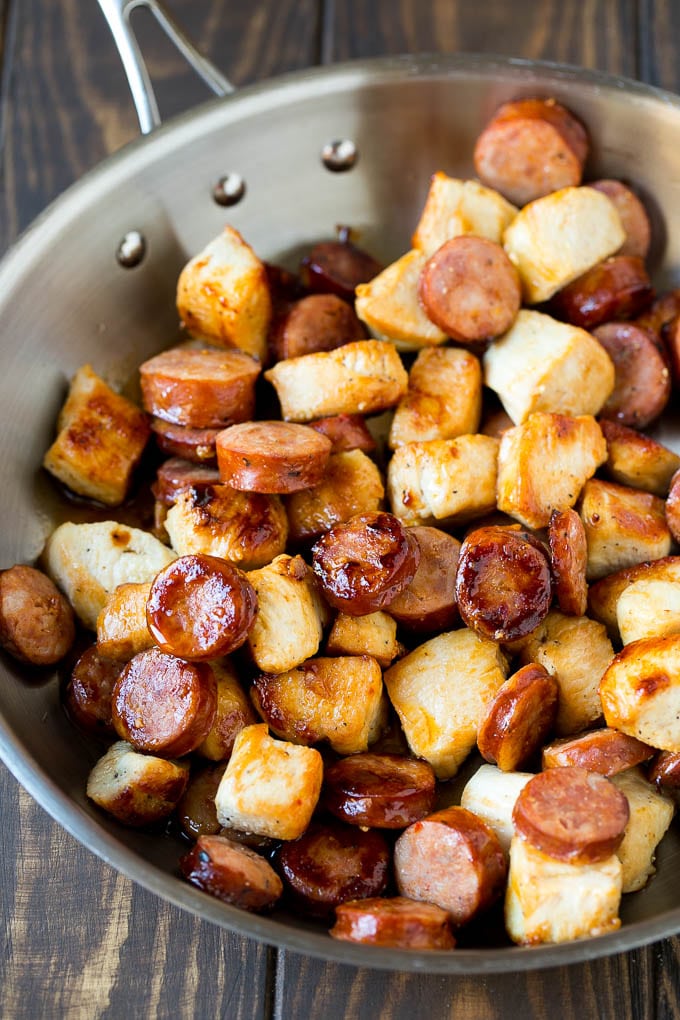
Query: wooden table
(80,940)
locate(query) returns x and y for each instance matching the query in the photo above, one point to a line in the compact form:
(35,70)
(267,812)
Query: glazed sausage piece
(664,770)
(364,564)
(332,863)
(200,607)
(176,475)
(346,432)
(163,705)
(272,456)
(36,622)
(379,791)
(195,445)
(618,288)
(569,560)
(572,815)
(530,148)
(428,603)
(633,215)
(200,388)
(452,859)
(503,583)
(231,872)
(643,382)
(319,322)
(673,507)
(670,335)
(284,286)
(89,691)
(518,720)
(337,267)
(196,811)
(398,923)
(470,289)
(606,751)
(659,314)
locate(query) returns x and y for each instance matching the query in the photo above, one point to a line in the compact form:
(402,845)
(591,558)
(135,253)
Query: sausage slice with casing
(381,791)
(90,689)
(36,622)
(271,456)
(428,603)
(398,923)
(337,267)
(643,382)
(633,215)
(569,560)
(572,815)
(518,720)
(231,872)
(606,751)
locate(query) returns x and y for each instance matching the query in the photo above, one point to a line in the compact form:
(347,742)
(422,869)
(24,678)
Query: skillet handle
(117,14)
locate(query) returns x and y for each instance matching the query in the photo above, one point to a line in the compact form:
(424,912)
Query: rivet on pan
(131,249)
(229,190)
(339,155)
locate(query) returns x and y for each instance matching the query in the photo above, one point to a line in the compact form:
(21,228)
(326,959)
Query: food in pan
(295,670)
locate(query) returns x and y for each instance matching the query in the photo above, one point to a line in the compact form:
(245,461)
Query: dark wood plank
(659,34)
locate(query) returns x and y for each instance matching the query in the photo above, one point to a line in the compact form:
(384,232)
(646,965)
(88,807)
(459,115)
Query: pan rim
(269,94)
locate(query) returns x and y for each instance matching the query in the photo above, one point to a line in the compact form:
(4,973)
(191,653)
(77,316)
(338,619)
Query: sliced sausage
(346,432)
(337,267)
(606,751)
(518,720)
(618,288)
(319,322)
(643,382)
(196,809)
(665,770)
(530,148)
(569,560)
(196,445)
(364,564)
(572,814)
(231,872)
(163,705)
(379,791)
(428,603)
(200,388)
(272,456)
(37,624)
(177,475)
(90,689)
(200,607)
(452,859)
(503,583)
(284,286)
(660,313)
(332,863)
(470,289)
(673,507)
(398,923)
(634,218)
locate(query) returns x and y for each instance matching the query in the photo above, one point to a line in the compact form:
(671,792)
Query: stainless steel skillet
(65,299)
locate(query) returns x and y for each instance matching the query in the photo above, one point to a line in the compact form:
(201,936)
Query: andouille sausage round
(428,603)
(379,791)
(195,445)
(164,705)
(318,322)
(346,432)
(331,863)
(272,456)
(530,148)
(568,561)
(200,607)
(338,267)
(176,475)
(634,218)
(643,381)
(503,583)
(664,770)
(452,859)
(364,564)
(519,718)
(231,872)
(470,289)
(607,751)
(200,387)
(397,922)
(37,624)
(196,811)
(673,507)
(89,691)
(618,288)
(572,814)
(670,334)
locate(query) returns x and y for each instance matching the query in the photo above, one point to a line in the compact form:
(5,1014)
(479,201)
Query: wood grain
(660,31)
